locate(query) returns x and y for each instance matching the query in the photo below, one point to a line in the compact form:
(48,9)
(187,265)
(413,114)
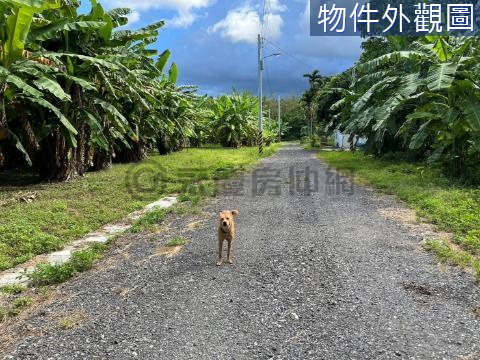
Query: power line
(285,52)
(269,80)
(266,16)
(263,17)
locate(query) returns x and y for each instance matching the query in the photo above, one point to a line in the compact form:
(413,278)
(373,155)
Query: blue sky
(214,42)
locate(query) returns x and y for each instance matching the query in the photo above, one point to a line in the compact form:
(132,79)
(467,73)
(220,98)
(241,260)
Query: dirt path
(319,276)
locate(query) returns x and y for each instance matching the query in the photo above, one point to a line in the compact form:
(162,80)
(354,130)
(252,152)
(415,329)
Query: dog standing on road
(226,231)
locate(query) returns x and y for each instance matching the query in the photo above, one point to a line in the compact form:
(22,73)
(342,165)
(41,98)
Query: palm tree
(315,81)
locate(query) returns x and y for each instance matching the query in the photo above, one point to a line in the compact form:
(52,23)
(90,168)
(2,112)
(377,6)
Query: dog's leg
(229,256)
(220,252)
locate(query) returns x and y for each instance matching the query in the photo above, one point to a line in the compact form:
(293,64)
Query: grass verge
(449,205)
(14,299)
(13,289)
(41,218)
(50,274)
(149,221)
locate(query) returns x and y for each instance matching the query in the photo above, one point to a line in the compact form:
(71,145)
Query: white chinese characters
(460,17)
(428,18)
(333,17)
(396,13)
(418,18)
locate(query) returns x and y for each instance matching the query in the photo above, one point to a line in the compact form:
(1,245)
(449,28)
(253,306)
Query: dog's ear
(234,212)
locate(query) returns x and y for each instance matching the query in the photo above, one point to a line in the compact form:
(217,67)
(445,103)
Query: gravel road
(316,276)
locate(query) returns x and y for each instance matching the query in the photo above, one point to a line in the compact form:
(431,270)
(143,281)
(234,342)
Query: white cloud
(185,8)
(183,20)
(133,17)
(274,26)
(239,25)
(305,17)
(243,24)
(276,6)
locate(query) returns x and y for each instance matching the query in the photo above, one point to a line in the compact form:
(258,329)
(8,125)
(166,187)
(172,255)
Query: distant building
(341,140)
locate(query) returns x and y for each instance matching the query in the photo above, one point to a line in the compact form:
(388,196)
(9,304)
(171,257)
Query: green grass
(62,212)
(444,202)
(188,197)
(447,254)
(15,307)
(13,289)
(22,302)
(49,274)
(149,221)
(176,241)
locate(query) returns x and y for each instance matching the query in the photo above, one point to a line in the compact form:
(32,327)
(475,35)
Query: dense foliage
(78,91)
(293,123)
(235,120)
(417,96)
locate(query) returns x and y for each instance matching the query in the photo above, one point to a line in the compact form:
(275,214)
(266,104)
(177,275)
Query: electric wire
(266,17)
(285,52)
(262,25)
(269,82)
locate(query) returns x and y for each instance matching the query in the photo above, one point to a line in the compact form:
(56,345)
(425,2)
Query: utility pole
(260,95)
(311,120)
(261,61)
(311,125)
(279,113)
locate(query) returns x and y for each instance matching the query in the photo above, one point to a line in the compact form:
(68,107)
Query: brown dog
(226,231)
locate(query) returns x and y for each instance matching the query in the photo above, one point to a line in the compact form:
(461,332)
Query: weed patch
(13,289)
(149,221)
(22,302)
(176,241)
(70,321)
(50,274)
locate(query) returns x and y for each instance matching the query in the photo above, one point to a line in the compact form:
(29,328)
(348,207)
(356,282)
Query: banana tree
(430,101)
(104,72)
(77,92)
(16,18)
(235,119)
